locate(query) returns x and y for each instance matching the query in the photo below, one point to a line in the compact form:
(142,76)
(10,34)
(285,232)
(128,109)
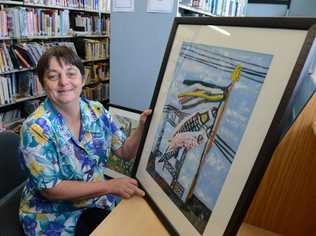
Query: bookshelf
(82,6)
(183,8)
(28,28)
(17,70)
(212,7)
(20,100)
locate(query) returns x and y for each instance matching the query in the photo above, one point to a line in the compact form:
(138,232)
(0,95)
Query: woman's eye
(52,77)
(71,74)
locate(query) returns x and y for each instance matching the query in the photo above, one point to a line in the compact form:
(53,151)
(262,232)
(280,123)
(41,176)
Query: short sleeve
(112,131)
(118,136)
(39,153)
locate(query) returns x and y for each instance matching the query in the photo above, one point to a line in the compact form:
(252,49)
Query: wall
(138,41)
(297,8)
(302,8)
(266,10)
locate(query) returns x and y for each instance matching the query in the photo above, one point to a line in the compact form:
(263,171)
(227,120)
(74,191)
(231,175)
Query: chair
(12,180)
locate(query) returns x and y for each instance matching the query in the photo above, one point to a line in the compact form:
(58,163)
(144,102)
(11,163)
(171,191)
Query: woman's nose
(63,79)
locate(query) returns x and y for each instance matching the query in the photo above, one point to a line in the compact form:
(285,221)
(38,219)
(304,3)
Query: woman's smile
(65,91)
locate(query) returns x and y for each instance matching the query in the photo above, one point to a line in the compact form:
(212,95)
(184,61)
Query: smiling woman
(66,143)
(63,82)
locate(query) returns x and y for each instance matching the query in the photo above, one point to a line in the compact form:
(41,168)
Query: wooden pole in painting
(235,76)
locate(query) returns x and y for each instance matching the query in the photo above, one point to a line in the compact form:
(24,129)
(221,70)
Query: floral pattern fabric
(53,154)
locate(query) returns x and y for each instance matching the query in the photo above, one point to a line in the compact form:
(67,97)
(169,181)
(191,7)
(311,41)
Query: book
(22,61)
(25,54)
(24,84)
(2,98)
(14,59)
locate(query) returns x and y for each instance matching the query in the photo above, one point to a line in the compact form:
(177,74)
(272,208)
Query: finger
(127,180)
(126,191)
(145,114)
(133,181)
(139,192)
(143,118)
(130,191)
(125,195)
(148,112)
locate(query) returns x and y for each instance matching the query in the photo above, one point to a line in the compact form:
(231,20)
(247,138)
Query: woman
(66,143)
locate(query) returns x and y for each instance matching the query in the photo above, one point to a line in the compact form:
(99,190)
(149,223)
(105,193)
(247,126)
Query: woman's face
(63,83)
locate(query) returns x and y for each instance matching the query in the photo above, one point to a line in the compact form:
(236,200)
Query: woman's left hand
(143,117)
(130,147)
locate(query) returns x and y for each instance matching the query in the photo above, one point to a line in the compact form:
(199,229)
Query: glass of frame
(217,105)
(304,89)
(127,120)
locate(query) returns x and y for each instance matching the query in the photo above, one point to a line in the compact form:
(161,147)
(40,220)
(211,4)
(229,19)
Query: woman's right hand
(124,187)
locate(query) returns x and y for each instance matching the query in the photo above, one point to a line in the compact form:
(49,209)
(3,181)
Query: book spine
(20,57)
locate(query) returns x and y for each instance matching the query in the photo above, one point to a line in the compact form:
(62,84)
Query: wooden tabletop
(134,217)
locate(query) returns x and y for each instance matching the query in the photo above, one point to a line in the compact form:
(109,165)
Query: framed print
(222,89)
(127,120)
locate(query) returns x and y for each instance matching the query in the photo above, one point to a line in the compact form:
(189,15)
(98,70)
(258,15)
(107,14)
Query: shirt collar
(88,118)
(54,114)
(57,120)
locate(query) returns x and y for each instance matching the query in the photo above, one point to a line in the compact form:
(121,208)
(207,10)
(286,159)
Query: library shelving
(211,7)
(17,70)
(23,99)
(83,6)
(28,28)
(95,59)
(186,9)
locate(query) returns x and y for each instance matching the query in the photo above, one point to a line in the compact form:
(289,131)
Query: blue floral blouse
(52,154)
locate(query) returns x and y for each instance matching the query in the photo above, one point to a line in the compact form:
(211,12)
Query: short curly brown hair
(61,53)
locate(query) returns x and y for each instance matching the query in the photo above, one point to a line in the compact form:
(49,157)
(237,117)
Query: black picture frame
(245,32)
